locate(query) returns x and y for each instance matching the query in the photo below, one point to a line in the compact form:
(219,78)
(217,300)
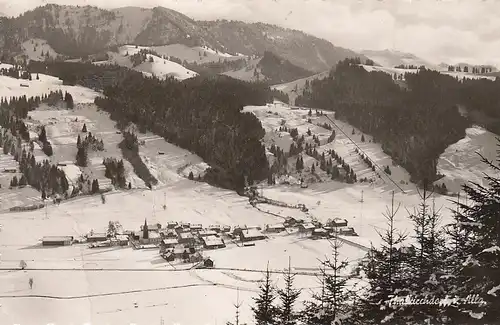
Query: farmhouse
(216,228)
(169,234)
(169,242)
(171,225)
(121,240)
(196,227)
(275,228)
(213,242)
(337,222)
(206,233)
(57,240)
(251,234)
(95,237)
(306,227)
(347,231)
(186,238)
(319,233)
(290,222)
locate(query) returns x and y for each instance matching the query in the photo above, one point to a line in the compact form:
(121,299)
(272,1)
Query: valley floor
(76,284)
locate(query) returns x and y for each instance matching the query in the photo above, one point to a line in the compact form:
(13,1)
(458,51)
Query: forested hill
(414,124)
(202,115)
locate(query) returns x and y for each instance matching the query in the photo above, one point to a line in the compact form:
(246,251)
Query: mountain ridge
(78,31)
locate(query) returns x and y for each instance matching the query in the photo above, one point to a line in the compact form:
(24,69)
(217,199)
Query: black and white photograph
(249,162)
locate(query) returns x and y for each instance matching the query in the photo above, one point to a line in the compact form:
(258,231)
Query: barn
(319,233)
(96,237)
(207,233)
(251,234)
(306,227)
(213,242)
(275,228)
(186,238)
(57,240)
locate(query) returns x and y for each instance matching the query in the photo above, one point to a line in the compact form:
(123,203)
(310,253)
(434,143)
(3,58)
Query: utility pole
(361,215)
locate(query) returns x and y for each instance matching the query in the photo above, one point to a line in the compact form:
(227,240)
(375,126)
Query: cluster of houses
(184,240)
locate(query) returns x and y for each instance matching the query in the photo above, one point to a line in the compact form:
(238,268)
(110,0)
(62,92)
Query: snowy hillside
(38,50)
(247,73)
(11,87)
(196,54)
(296,87)
(461,161)
(154,65)
(389,58)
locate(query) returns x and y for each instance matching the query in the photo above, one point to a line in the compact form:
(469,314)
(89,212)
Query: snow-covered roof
(205,233)
(213,241)
(307,225)
(276,226)
(97,235)
(56,238)
(186,235)
(122,237)
(251,233)
(170,241)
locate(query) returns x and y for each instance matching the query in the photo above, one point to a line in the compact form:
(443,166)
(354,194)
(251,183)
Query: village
(190,243)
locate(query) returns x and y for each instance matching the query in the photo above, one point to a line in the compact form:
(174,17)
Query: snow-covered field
(461,161)
(196,54)
(11,87)
(76,284)
(160,67)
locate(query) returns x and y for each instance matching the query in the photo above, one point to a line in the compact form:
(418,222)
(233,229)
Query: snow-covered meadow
(76,284)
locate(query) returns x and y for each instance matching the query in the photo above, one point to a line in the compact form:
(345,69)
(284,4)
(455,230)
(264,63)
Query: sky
(450,31)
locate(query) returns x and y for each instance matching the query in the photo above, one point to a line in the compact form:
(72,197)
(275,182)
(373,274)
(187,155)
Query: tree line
(414,124)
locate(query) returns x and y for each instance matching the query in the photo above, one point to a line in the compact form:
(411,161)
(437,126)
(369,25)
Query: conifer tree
(475,254)
(288,297)
(82,157)
(84,128)
(385,272)
(264,311)
(332,303)
(42,137)
(425,259)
